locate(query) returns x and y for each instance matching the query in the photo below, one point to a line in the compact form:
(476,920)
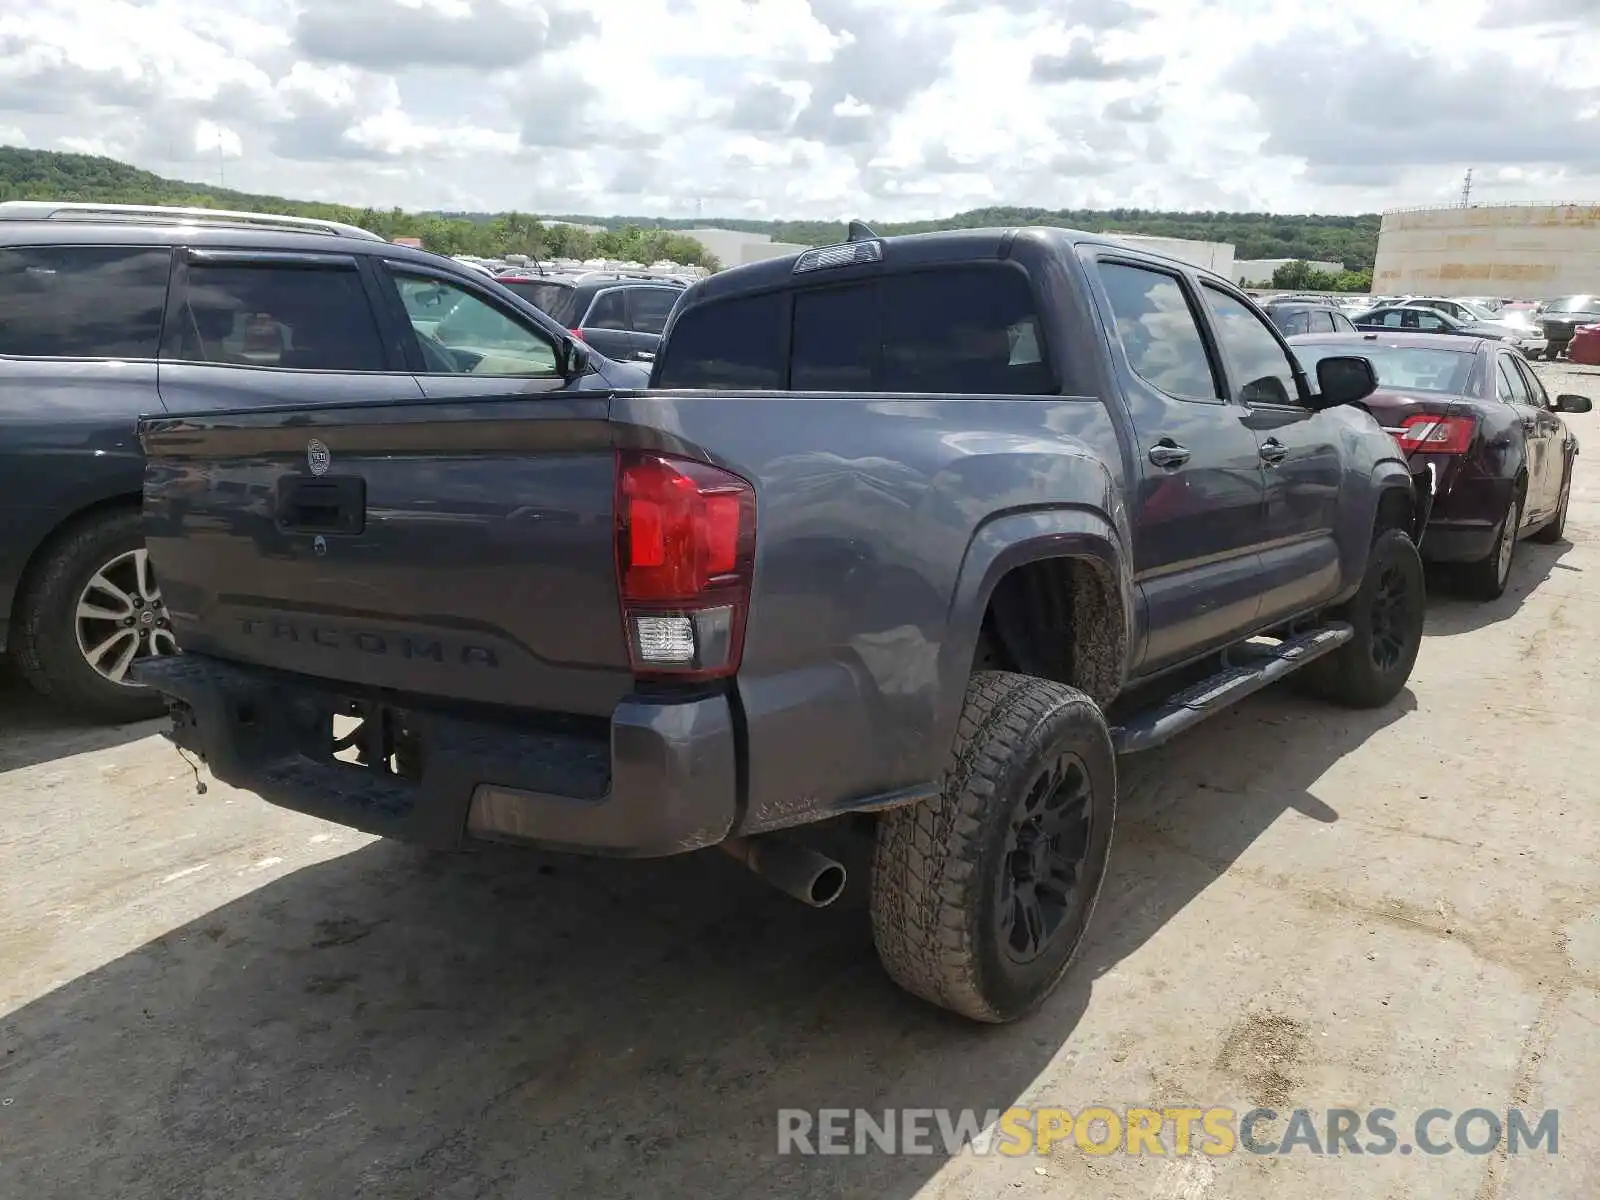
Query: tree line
(42,174)
(47,175)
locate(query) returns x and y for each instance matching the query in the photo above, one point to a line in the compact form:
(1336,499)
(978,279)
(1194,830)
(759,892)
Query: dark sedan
(1561,317)
(1292,317)
(1410,319)
(1473,414)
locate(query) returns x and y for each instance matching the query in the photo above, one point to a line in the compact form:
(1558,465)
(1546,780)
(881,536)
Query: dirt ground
(204,995)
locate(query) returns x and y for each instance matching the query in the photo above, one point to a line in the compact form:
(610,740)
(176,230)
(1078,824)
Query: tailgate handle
(333,504)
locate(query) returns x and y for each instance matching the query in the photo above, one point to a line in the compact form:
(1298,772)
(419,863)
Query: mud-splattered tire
(951,875)
(1387,614)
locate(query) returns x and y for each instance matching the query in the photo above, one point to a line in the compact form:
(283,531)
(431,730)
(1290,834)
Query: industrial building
(1258,272)
(1213,256)
(1530,251)
(735,247)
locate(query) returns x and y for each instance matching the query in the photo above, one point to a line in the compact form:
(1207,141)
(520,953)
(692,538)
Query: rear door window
(1509,386)
(966,330)
(1537,396)
(609,310)
(650,308)
(734,343)
(82,301)
(295,316)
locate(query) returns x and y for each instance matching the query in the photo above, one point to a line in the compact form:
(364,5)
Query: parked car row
(110,312)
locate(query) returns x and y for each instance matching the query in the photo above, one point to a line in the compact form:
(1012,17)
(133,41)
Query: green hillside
(41,174)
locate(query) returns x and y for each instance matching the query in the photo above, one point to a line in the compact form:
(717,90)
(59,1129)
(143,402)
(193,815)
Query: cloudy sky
(822,108)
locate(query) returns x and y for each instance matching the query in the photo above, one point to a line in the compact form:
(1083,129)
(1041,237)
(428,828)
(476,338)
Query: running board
(1249,669)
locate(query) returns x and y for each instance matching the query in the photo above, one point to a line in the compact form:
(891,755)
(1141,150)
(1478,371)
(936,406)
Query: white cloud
(820,108)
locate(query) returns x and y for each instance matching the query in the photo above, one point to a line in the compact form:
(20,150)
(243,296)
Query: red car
(1584,348)
(1473,414)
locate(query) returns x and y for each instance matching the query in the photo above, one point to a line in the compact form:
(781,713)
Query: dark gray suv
(110,312)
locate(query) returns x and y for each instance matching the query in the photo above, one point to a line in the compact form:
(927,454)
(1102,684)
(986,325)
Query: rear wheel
(1387,614)
(89,613)
(1557,528)
(1486,578)
(981,896)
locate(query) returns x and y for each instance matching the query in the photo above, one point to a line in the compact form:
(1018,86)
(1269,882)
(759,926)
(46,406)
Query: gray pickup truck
(929,529)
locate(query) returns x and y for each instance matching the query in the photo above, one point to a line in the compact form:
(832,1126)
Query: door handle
(647,355)
(1273,451)
(1167,453)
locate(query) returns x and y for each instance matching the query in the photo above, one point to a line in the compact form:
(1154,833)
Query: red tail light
(1436,435)
(685,543)
(577,333)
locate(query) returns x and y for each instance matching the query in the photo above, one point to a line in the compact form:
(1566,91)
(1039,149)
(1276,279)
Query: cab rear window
(970,330)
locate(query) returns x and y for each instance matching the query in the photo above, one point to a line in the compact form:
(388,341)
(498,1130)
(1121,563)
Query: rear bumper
(660,780)
(1458,541)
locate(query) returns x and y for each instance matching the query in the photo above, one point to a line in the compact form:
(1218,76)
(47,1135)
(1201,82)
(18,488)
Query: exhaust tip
(827,887)
(795,870)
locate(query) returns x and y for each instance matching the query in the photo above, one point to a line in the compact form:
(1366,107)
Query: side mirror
(1573,404)
(1344,379)
(577,358)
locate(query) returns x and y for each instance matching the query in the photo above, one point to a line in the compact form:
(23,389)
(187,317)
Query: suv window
(734,343)
(1265,368)
(1158,331)
(82,301)
(609,310)
(553,298)
(651,306)
(461,333)
(300,317)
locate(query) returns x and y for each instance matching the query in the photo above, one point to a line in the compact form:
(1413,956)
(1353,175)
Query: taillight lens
(685,544)
(577,333)
(1436,435)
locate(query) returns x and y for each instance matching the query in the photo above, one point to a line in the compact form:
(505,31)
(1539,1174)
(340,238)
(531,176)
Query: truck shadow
(503,1023)
(35,730)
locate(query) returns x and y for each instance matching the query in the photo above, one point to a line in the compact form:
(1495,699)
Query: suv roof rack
(164,214)
(643,276)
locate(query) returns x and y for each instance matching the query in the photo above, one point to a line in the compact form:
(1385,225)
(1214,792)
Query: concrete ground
(204,995)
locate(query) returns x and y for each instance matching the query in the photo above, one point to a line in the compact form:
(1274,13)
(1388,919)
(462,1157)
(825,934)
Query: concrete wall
(1257,272)
(1214,256)
(1534,252)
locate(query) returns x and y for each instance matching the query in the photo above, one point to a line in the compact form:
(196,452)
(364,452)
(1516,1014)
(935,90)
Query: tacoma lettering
(371,642)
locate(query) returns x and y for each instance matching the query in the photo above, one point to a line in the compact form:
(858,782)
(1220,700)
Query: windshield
(1582,304)
(1402,368)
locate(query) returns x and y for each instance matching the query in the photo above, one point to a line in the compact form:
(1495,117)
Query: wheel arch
(1047,567)
(59,532)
